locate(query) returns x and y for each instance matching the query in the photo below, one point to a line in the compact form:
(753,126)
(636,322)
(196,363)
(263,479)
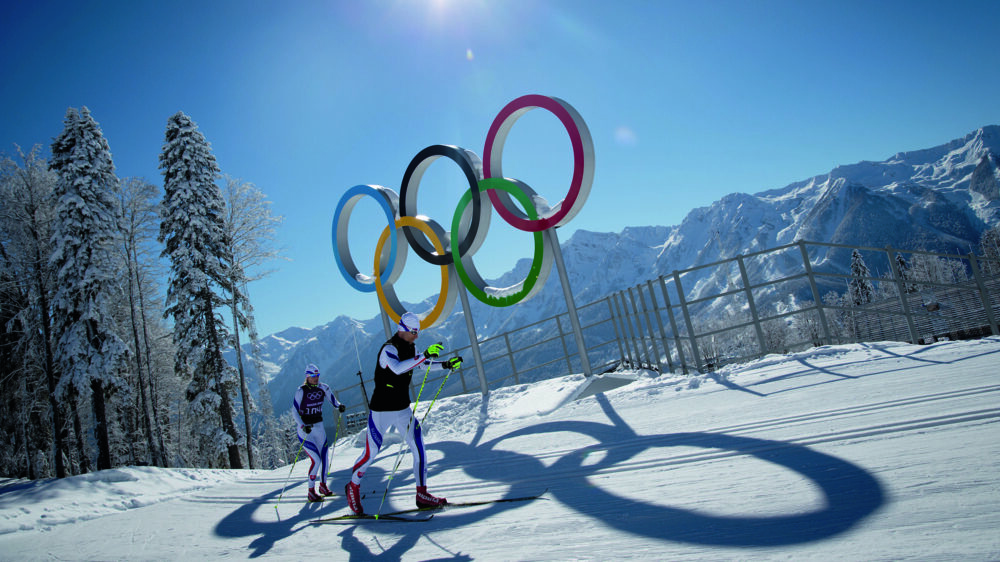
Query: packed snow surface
(879,451)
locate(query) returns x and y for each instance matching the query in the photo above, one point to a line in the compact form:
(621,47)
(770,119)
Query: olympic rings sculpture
(456,247)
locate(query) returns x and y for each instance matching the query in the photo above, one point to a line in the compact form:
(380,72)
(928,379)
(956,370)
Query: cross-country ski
(395,515)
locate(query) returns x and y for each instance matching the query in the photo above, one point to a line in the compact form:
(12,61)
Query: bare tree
(250,233)
(27,208)
(139,225)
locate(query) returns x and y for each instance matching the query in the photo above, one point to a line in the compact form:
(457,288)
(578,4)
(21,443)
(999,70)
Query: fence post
(898,278)
(687,321)
(753,306)
(638,329)
(562,340)
(510,356)
(574,320)
(652,336)
(627,328)
(630,346)
(659,322)
(614,323)
(471,327)
(827,338)
(673,325)
(983,294)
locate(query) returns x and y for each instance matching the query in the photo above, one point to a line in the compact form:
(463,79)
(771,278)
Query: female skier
(308,412)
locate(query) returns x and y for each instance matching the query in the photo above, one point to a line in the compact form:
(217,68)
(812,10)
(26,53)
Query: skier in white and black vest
(390,407)
(308,412)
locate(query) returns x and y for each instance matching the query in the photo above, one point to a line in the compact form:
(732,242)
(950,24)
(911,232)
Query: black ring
(417,167)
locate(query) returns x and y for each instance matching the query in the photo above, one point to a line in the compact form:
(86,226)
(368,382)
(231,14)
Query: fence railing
(678,322)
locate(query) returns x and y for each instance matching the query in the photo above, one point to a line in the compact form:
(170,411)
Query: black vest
(392,391)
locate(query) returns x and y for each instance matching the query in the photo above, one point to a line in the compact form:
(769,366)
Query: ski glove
(434,350)
(453,363)
(341,408)
(307,428)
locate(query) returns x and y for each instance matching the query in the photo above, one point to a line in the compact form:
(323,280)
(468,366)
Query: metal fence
(673,325)
(679,323)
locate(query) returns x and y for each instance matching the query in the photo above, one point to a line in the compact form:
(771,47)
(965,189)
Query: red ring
(579,187)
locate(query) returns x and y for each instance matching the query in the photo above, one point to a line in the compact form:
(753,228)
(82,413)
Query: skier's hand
(341,408)
(433,350)
(453,363)
(307,428)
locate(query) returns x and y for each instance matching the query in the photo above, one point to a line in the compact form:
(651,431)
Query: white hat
(409,322)
(312,370)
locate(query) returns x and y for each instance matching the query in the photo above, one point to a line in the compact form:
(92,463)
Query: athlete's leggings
(315,445)
(378,424)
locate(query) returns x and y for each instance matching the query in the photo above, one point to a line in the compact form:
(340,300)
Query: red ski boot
(353,492)
(426,500)
(313,496)
(323,490)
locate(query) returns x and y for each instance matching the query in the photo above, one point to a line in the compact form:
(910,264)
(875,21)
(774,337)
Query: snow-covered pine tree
(904,273)
(860,287)
(989,247)
(191,228)
(84,240)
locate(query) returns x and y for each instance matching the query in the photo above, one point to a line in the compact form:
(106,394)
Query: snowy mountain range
(937,199)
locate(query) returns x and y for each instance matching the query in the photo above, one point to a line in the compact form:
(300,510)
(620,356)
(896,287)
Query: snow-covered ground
(883,451)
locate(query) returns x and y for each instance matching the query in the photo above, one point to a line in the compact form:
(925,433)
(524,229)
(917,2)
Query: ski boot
(353,493)
(426,500)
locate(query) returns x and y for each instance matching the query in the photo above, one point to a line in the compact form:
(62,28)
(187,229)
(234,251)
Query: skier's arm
(333,399)
(295,407)
(389,358)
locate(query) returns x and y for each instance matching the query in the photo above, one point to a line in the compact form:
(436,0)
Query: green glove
(434,350)
(453,363)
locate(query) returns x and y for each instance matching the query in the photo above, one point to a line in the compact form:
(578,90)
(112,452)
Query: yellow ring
(432,317)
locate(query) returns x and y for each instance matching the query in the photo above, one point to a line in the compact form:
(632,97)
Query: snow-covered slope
(883,451)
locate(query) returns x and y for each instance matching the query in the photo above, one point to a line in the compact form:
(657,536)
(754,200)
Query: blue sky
(685,101)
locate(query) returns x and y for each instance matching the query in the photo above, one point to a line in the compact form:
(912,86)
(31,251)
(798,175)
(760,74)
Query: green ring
(510,187)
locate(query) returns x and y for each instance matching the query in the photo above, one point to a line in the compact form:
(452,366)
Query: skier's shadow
(241,523)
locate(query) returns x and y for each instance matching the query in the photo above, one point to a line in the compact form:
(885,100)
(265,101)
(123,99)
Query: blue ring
(345,206)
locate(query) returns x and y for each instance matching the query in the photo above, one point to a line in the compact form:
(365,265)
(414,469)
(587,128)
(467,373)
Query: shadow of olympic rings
(849,493)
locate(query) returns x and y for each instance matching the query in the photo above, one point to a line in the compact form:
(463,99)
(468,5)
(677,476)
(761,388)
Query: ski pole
(333,449)
(435,397)
(405,433)
(301,443)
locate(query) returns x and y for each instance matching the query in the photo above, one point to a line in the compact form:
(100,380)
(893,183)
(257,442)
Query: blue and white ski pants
(379,424)
(315,445)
